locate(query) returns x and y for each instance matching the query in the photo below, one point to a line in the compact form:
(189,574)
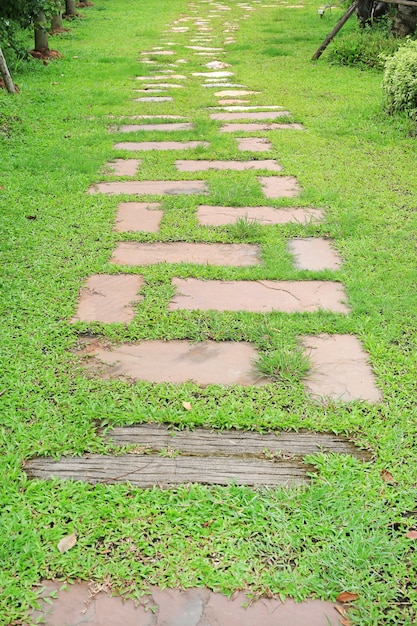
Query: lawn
(346,531)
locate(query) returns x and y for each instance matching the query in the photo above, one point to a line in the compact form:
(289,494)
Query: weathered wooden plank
(202,441)
(147,471)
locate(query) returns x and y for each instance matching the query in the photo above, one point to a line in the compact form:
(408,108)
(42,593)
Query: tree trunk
(41,36)
(6,75)
(56,21)
(405,21)
(70,8)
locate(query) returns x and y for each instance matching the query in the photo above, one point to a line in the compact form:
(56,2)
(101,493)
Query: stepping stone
(124,167)
(199,166)
(250,115)
(108,298)
(138,216)
(222,84)
(158,53)
(133,146)
(249,128)
(155,99)
(176,607)
(233,93)
(314,254)
(132,128)
(145,471)
(166,76)
(232,101)
(279,186)
(158,437)
(204,49)
(340,369)
(258,296)
(163,86)
(151,117)
(228,254)
(148,90)
(206,363)
(248,108)
(217,65)
(253,144)
(213,74)
(152,187)
(220,215)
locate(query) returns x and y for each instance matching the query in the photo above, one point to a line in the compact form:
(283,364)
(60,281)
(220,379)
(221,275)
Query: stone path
(339,367)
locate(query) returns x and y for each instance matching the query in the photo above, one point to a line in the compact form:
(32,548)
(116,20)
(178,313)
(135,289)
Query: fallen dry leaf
(412,534)
(388,477)
(187,406)
(347,596)
(67,543)
(345,622)
(341,611)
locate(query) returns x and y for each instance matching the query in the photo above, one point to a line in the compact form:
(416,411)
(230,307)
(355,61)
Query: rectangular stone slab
(108,298)
(133,128)
(124,167)
(206,363)
(239,166)
(157,437)
(262,296)
(145,471)
(154,99)
(221,215)
(340,369)
(138,216)
(279,186)
(256,127)
(249,115)
(314,254)
(136,253)
(253,144)
(152,187)
(134,146)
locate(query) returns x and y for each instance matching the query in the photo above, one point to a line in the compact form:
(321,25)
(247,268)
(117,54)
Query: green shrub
(400,80)
(365,48)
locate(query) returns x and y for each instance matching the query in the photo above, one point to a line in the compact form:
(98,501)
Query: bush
(365,48)
(400,80)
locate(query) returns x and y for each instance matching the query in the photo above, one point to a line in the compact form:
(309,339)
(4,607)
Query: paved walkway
(339,366)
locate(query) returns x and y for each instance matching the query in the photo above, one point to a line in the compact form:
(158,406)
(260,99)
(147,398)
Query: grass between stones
(348,529)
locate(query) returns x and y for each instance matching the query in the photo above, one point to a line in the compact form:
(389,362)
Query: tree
(31,12)
(70,8)
(4,71)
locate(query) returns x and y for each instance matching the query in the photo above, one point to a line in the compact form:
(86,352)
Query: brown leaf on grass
(341,611)
(347,596)
(67,543)
(187,406)
(412,534)
(345,622)
(388,477)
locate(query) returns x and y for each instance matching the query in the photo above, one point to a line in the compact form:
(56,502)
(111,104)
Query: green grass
(347,531)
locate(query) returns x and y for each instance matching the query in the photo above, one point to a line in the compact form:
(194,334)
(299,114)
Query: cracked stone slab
(253,144)
(279,186)
(256,127)
(134,146)
(249,115)
(138,216)
(314,253)
(261,296)
(156,187)
(132,128)
(108,298)
(228,254)
(220,215)
(205,363)
(155,99)
(79,604)
(124,167)
(340,369)
(199,166)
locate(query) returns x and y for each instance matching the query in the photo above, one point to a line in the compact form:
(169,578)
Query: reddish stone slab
(279,186)
(133,146)
(124,167)
(340,369)
(138,216)
(314,254)
(136,253)
(199,166)
(155,187)
(249,115)
(154,99)
(253,144)
(256,127)
(234,93)
(261,296)
(133,128)
(205,363)
(221,215)
(83,603)
(232,101)
(108,298)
